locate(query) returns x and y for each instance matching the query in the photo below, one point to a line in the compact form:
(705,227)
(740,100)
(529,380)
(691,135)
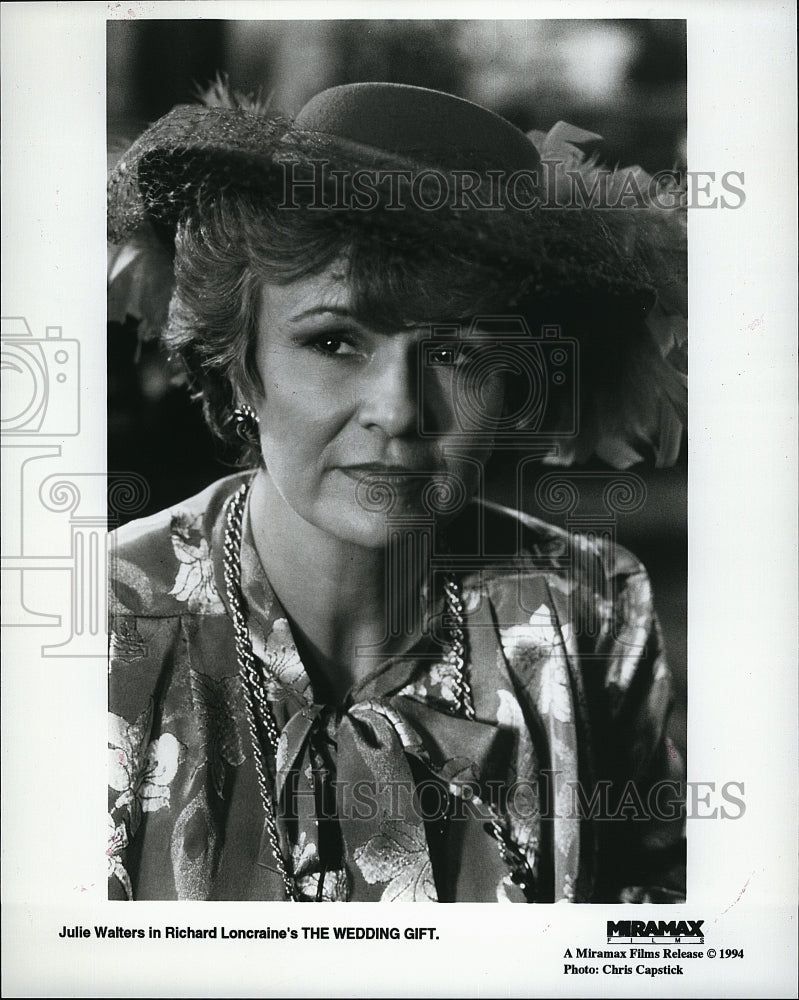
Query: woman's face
(346,407)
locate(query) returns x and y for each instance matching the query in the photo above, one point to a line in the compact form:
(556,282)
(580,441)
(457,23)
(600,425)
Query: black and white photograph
(367,667)
(374,532)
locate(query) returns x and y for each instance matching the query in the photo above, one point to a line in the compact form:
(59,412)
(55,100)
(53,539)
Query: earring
(247,424)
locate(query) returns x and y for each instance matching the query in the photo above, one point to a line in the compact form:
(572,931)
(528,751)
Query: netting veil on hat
(631,257)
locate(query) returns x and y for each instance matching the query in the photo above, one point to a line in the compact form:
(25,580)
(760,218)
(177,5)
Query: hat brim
(194,153)
(183,163)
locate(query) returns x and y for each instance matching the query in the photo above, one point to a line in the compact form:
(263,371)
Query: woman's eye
(441,357)
(451,356)
(334,346)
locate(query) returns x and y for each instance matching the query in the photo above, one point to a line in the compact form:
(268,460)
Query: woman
(340,675)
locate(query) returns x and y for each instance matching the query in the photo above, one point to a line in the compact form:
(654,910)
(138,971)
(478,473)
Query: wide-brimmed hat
(433,142)
(428,139)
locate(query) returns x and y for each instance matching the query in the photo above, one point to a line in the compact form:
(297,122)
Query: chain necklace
(261,722)
(254,694)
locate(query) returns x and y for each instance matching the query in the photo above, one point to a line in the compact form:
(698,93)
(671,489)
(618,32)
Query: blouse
(562,785)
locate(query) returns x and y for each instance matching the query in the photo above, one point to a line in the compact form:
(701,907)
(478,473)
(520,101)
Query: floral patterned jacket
(562,787)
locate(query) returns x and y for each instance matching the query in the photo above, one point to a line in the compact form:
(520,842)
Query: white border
(742,577)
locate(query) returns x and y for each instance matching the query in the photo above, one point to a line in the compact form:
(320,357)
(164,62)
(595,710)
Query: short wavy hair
(402,271)
(398,275)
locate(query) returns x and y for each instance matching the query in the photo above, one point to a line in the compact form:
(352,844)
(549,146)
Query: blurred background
(623,79)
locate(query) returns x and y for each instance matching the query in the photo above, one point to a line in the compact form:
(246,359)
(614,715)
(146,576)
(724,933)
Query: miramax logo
(654,930)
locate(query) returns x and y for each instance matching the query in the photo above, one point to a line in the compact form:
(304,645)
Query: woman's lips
(376,470)
(406,481)
(379,486)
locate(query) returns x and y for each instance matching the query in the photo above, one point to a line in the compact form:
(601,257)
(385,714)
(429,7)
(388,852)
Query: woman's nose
(389,394)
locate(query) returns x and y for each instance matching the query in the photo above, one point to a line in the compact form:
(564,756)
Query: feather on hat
(631,254)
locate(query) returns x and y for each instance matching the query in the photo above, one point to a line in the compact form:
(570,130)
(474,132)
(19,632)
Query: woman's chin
(369,529)
(374,526)
(368,512)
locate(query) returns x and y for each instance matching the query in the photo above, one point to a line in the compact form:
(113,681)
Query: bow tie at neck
(390,800)
(398,795)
